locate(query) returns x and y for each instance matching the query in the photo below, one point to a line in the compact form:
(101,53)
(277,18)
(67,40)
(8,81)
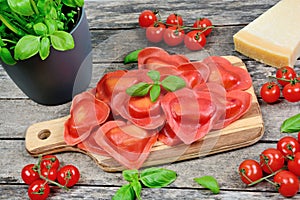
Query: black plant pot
(62,75)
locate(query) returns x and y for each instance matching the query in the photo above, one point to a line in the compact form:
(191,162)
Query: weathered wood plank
(106,193)
(124,14)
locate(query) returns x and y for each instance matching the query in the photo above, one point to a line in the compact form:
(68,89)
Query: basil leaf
(40,28)
(126,192)
(137,187)
(173,83)
(132,56)
(21,7)
(131,175)
(62,41)
(154,75)
(139,89)
(27,47)
(209,182)
(291,125)
(44,48)
(154,92)
(51,25)
(73,3)
(6,56)
(157,177)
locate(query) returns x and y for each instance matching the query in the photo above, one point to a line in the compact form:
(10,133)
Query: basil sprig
(291,125)
(208,182)
(152,177)
(170,83)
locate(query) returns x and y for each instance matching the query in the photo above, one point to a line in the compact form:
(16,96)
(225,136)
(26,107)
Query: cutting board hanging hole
(44,134)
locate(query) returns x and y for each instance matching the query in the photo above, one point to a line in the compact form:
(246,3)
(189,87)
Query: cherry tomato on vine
(250,171)
(271,160)
(38,190)
(147,18)
(174,19)
(29,174)
(68,175)
(270,92)
(173,36)
(155,32)
(288,183)
(291,91)
(288,145)
(285,72)
(203,23)
(194,40)
(49,173)
(294,164)
(50,161)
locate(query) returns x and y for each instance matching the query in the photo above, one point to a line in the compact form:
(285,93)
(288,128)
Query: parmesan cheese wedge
(274,37)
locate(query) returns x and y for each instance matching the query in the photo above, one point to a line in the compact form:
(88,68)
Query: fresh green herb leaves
(170,83)
(152,177)
(30,27)
(291,125)
(157,177)
(208,182)
(132,56)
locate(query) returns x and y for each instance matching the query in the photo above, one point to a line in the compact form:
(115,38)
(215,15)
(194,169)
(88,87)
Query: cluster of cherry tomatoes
(289,81)
(48,171)
(281,163)
(173,32)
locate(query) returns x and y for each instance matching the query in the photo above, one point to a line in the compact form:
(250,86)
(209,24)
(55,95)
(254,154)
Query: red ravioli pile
(108,121)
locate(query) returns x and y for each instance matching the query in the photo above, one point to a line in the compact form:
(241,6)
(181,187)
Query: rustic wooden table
(115,32)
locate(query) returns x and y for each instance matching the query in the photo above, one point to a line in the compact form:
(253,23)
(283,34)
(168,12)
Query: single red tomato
(271,160)
(147,18)
(174,19)
(50,161)
(68,175)
(30,174)
(287,73)
(204,24)
(155,32)
(291,91)
(38,190)
(49,173)
(288,183)
(250,171)
(288,145)
(195,40)
(270,92)
(173,36)
(294,164)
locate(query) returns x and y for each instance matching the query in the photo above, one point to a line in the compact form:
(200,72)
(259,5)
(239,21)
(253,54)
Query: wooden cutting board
(47,138)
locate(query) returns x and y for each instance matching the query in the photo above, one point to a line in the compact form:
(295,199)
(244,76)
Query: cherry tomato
(271,160)
(38,190)
(173,36)
(294,164)
(147,18)
(288,145)
(29,174)
(194,40)
(299,137)
(203,23)
(49,173)
(50,161)
(68,175)
(285,73)
(155,32)
(174,19)
(270,92)
(288,183)
(250,171)
(291,91)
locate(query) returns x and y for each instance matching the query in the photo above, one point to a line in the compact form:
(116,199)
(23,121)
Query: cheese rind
(274,37)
